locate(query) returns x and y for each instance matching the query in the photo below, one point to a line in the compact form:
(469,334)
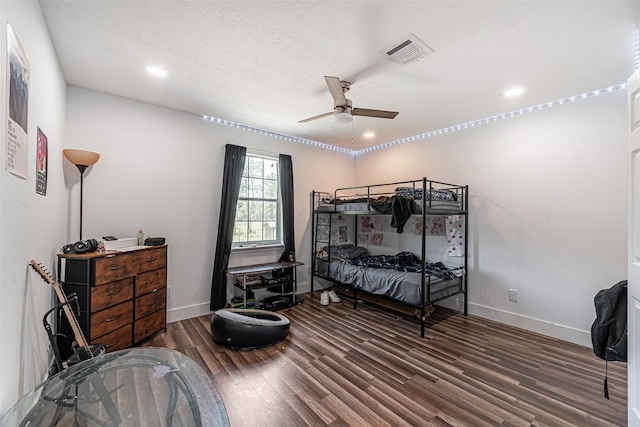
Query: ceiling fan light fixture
(342,117)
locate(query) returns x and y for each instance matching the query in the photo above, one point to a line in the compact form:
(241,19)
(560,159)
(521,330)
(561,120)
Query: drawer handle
(149,304)
(111,319)
(151,259)
(115,268)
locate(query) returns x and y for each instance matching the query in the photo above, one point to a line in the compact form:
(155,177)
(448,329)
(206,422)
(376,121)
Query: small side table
(244,271)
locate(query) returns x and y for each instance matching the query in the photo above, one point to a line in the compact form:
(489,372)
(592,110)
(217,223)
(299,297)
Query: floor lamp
(82,159)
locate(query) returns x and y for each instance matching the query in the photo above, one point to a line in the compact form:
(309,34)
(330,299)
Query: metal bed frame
(367,193)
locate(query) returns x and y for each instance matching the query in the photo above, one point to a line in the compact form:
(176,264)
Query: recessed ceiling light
(514,92)
(156,71)
(368,134)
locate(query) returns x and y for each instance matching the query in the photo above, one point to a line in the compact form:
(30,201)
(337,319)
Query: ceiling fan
(343,110)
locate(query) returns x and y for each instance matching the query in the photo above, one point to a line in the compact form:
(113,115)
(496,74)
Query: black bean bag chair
(248,329)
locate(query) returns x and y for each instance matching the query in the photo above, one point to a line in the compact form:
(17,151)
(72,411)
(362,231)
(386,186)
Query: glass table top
(146,386)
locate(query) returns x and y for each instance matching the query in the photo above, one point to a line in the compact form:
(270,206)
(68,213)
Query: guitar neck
(62,297)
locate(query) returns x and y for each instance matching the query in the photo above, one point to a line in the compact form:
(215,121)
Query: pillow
(346,251)
(326,200)
(445,195)
(434,194)
(409,191)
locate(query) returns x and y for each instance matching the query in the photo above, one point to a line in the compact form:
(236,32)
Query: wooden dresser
(122,295)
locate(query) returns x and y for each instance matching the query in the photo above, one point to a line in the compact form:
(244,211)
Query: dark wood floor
(343,367)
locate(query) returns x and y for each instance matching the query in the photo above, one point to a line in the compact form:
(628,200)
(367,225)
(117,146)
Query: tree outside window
(258,214)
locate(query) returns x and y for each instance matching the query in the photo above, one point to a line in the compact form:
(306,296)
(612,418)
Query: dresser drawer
(150,302)
(151,281)
(111,294)
(150,259)
(113,268)
(149,325)
(122,295)
(111,319)
(116,340)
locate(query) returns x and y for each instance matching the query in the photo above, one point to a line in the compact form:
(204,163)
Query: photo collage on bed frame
(375,232)
(372,229)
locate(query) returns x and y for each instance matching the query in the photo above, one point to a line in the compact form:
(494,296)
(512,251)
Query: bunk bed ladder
(315,224)
(424,259)
(466,245)
(314,231)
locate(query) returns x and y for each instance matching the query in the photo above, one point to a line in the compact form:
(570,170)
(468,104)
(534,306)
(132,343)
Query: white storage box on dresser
(121,295)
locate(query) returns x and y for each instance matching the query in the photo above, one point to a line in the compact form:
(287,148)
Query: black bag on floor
(609,330)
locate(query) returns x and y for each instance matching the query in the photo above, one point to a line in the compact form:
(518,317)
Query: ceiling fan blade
(335,87)
(316,117)
(374,113)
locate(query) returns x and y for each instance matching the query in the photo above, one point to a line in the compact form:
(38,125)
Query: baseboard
(195,310)
(303,288)
(541,326)
(318,285)
(545,327)
(187,312)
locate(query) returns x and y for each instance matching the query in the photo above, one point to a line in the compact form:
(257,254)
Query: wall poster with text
(41,163)
(17,149)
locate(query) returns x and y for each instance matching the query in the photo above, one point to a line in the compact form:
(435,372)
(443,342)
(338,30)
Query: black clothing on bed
(402,208)
(404,261)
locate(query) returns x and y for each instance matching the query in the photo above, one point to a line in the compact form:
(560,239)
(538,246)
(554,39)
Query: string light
(495,118)
(277,135)
(454,128)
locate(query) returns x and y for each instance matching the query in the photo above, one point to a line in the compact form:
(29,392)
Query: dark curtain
(232,176)
(286,190)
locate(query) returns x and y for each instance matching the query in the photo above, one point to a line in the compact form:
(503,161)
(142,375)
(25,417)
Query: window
(258,214)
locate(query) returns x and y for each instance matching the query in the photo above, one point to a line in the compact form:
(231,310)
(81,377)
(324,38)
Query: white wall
(161,170)
(31,226)
(536,221)
(547,216)
(548,209)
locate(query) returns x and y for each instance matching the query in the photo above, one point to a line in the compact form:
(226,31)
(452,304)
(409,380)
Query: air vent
(408,49)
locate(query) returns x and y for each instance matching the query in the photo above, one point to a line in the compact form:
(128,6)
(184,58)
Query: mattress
(398,285)
(364,207)
(346,207)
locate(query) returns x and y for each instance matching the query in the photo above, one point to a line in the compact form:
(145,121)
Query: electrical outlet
(513,295)
(168,291)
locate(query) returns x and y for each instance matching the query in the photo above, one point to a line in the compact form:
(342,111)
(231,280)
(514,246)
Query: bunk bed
(348,227)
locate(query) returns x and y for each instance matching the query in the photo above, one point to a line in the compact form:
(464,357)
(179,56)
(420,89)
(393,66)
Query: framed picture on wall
(17,139)
(42,159)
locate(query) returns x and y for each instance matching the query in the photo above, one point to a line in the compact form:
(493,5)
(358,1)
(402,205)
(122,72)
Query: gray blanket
(398,285)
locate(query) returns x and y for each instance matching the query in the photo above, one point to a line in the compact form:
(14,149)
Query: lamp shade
(80,157)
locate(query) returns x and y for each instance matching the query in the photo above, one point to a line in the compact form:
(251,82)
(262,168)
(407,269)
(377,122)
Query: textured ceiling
(261,63)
